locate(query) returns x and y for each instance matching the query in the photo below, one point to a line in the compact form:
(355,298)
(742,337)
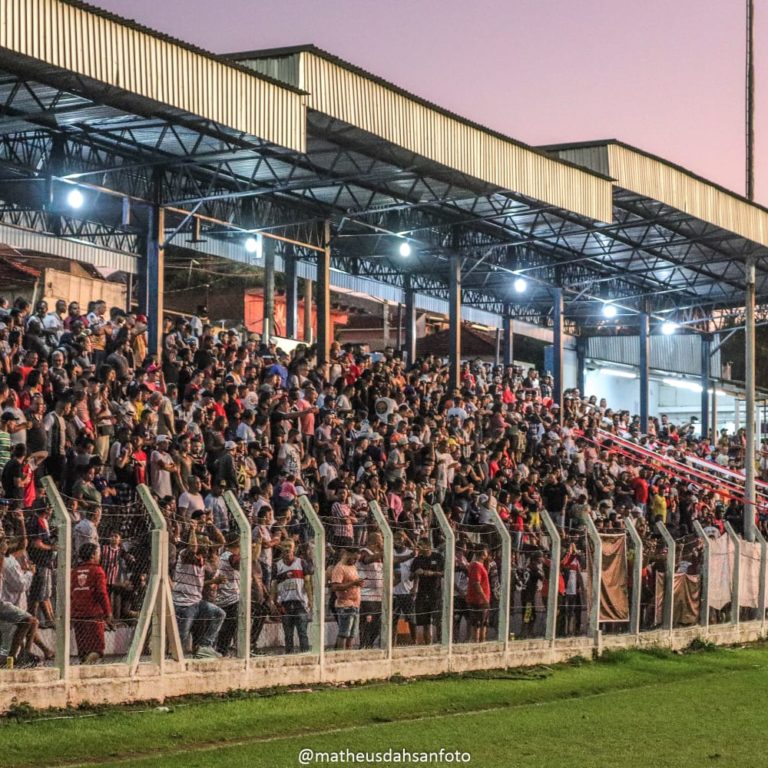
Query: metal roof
(88,98)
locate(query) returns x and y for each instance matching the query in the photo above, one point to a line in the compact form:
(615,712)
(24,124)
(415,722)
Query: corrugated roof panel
(383,110)
(99,47)
(680,353)
(77,250)
(654,178)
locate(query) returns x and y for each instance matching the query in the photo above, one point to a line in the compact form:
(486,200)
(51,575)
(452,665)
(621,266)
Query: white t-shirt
(405,585)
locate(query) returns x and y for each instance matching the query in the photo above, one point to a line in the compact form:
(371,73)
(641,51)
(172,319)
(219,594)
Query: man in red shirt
(91,609)
(478,594)
(640,490)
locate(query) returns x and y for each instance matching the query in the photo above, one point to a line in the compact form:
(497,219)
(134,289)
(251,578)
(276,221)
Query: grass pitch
(630,709)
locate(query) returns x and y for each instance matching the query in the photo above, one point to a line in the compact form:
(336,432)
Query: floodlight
(520,285)
(609,310)
(75,199)
(251,245)
(668,327)
(405,249)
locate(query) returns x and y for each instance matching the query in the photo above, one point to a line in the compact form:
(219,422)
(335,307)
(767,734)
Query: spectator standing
(91,609)
(291,589)
(346,583)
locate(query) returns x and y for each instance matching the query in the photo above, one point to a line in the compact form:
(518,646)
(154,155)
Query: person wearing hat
(228,594)
(215,503)
(225,469)
(397,461)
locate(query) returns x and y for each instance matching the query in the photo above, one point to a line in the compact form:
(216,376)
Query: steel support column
(706,382)
(291,294)
(410,321)
(557,347)
(581,364)
(308,311)
(645,356)
(749,417)
(154,273)
(454,320)
(268,328)
(385,332)
(324,331)
(508,340)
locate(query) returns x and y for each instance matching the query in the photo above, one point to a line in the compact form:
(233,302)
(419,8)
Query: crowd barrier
(149,662)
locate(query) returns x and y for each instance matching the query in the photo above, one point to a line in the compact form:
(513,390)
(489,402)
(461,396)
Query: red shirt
(479,587)
(89,592)
(640,487)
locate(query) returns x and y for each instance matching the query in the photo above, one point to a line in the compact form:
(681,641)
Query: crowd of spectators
(83,402)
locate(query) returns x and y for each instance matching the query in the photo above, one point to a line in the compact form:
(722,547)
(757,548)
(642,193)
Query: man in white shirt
(403,606)
(191,500)
(162,467)
(53,322)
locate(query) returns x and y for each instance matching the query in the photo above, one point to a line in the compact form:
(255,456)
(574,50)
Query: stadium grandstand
(304,379)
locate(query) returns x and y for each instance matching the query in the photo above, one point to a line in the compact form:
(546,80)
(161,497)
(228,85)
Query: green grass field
(629,709)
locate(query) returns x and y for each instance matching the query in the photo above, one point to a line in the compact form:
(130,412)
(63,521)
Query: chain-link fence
(110,570)
(477,579)
(576,572)
(355,574)
(30,588)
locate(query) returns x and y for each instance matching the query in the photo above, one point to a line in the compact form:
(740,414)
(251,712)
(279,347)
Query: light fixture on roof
(618,373)
(520,284)
(75,199)
(668,327)
(609,310)
(405,249)
(252,245)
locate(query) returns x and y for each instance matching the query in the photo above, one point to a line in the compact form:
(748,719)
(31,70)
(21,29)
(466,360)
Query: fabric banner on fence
(687,600)
(749,574)
(658,600)
(721,560)
(614,594)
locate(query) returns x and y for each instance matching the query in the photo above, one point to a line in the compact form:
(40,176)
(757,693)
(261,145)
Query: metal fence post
(762,591)
(554,575)
(506,578)
(704,576)
(597,574)
(736,575)
(637,579)
(669,579)
(246,575)
(389,577)
(318,594)
(63,612)
(448,577)
(150,613)
(165,630)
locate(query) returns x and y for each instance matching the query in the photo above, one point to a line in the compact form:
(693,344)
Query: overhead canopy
(279,141)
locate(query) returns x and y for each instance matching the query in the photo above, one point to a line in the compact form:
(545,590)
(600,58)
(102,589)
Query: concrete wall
(113,683)
(160,670)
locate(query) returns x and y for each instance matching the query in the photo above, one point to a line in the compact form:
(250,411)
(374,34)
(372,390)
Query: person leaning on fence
(13,619)
(228,597)
(370,567)
(91,609)
(188,584)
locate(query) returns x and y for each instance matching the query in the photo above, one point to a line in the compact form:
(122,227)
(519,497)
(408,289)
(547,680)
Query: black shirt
(428,586)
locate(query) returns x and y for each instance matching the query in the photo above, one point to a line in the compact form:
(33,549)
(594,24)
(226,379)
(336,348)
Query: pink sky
(664,75)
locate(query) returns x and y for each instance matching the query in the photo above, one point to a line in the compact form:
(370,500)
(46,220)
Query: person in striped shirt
(5,438)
